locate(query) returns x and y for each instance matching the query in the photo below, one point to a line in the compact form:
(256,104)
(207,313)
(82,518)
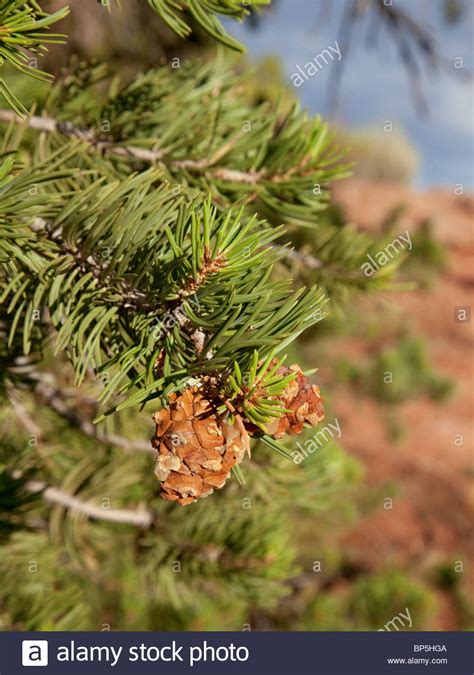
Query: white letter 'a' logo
(34,652)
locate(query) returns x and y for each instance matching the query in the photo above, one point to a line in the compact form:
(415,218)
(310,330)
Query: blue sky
(375,85)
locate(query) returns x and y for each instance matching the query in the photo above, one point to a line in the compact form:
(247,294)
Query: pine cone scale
(303,399)
(197,448)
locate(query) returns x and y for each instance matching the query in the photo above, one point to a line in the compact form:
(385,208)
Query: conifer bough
(158,295)
(166,294)
(24,32)
(133,251)
(151,284)
(174,14)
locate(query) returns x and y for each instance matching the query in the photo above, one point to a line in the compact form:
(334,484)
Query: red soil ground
(432,515)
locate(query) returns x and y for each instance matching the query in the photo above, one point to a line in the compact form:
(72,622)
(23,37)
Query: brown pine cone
(303,399)
(197,447)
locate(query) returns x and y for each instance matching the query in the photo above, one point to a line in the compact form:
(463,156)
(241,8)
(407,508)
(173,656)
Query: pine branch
(206,299)
(302,258)
(204,13)
(48,392)
(24,32)
(277,160)
(34,122)
(140,518)
(24,417)
(133,298)
(154,157)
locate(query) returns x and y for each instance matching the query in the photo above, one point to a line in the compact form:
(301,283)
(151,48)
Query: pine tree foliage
(24,33)
(333,254)
(184,566)
(24,30)
(142,232)
(112,309)
(127,325)
(279,164)
(176,14)
(270,159)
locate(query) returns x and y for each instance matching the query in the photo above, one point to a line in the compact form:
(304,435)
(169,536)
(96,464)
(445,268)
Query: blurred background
(395,530)
(399,365)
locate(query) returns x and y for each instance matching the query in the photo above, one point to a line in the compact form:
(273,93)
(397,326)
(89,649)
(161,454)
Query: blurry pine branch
(25,31)
(180,566)
(398,373)
(417,48)
(205,13)
(24,36)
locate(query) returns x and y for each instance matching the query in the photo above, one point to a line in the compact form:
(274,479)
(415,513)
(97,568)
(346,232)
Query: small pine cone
(303,399)
(197,448)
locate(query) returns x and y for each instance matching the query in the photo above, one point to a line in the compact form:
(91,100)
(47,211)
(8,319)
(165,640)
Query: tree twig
(22,414)
(50,393)
(305,259)
(53,495)
(411,37)
(50,125)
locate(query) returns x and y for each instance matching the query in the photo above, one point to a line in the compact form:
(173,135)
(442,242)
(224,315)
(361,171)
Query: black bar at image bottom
(248,653)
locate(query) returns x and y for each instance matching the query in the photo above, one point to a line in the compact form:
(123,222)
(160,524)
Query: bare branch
(351,14)
(51,394)
(140,518)
(413,40)
(22,414)
(48,392)
(305,259)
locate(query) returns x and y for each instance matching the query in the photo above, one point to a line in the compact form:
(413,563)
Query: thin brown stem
(139,518)
(48,392)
